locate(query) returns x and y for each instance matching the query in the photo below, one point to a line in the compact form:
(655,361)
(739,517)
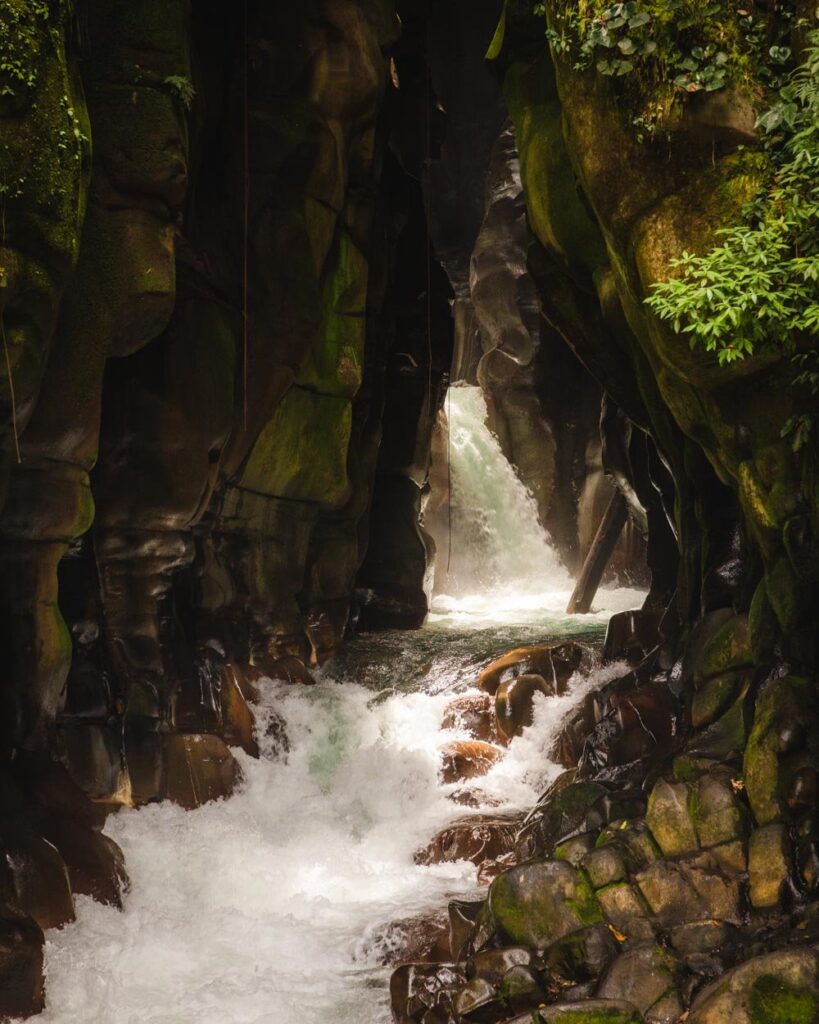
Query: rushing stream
(272,907)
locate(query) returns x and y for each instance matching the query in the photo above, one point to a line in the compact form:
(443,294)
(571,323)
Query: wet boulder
(21,966)
(467,759)
(626,910)
(634,720)
(472,713)
(573,808)
(418,989)
(690,889)
(515,703)
(200,768)
(589,1011)
(580,957)
(34,879)
(670,818)
(770,856)
(777,988)
(475,839)
(422,939)
(537,903)
(238,721)
(286,669)
(554,662)
(786,726)
(631,635)
(470,927)
(645,977)
(576,729)
(96,865)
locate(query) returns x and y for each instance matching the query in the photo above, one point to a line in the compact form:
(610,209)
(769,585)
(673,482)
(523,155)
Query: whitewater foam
(261,909)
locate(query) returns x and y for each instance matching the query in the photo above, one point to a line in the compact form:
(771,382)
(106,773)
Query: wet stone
(701,936)
(625,909)
(539,902)
(769,859)
(422,939)
(581,956)
(466,917)
(777,988)
(644,976)
(96,866)
(416,989)
(33,877)
(200,768)
(589,1011)
(604,866)
(21,966)
(556,663)
(718,816)
(669,818)
(515,703)
(473,713)
(574,850)
(475,839)
(467,759)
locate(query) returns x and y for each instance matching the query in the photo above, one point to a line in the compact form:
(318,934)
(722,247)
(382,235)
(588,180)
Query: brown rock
(96,866)
(422,939)
(476,839)
(200,768)
(467,759)
(288,669)
(238,723)
(21,966)
(555,662)
(415,989)
(577,728)
(34,878)
(474,713)
(515,703)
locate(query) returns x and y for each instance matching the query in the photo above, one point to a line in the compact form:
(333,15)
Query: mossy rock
(777,988)
(785,707)
(670,818)
(539,902)
(590,1011)
(719,817)
(727,650)
(712,698)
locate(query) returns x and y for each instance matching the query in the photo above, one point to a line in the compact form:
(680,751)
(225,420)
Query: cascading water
(501,565)
(274,907)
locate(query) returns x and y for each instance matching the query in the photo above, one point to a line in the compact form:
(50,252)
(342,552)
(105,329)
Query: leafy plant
(694,46)
(757,290)
(182,88)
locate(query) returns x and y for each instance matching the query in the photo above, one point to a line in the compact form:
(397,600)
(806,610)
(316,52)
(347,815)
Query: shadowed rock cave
(333,376)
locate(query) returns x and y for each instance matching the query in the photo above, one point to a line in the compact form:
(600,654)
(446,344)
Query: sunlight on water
(502,566)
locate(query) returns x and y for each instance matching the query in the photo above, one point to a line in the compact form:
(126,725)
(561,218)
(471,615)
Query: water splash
(502,566)
(270,907)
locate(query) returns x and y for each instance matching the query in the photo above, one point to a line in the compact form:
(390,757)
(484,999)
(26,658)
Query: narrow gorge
(409,512)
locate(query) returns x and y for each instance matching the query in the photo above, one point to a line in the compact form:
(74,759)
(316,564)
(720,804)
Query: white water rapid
(270,907)
(501,567)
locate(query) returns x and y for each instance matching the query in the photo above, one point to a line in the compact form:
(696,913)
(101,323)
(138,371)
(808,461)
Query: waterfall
(501,561)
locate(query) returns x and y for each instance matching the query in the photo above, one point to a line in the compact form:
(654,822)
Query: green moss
(774,1001)
(301,454)
(584,903)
